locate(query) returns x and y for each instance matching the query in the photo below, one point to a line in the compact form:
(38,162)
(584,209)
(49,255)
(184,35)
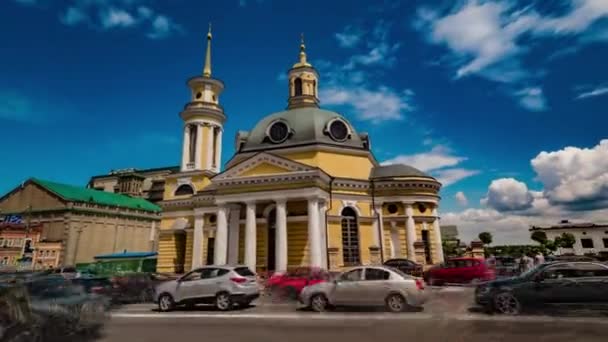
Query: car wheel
(395,303)
(319,302)
(166,303)
(223,302)
(505,303)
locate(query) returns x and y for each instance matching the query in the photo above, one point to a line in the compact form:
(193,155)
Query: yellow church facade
(302,189)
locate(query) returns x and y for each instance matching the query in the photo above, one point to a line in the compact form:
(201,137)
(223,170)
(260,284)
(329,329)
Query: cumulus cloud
(574,186)
(373,105)
(491,38)
(440,162)
(461,198)
(575,177)
(508,194)
(113,17)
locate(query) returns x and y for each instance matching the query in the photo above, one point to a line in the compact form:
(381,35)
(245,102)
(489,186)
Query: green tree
(566,240)
(485,237)
(539,236)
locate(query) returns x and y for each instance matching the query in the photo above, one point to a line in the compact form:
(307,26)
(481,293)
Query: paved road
(447,317)
(351,330)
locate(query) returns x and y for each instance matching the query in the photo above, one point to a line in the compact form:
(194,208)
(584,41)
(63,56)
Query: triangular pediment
(262,164)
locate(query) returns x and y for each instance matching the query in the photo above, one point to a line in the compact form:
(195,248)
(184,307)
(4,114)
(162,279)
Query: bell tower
(203,121)
(303,82)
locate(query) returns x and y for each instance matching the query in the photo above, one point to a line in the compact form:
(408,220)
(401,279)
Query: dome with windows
(302,126)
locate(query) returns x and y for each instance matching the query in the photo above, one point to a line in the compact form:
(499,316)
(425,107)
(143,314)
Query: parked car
(406,266)
(290,284)
(222,286)
(367,286)
(460,270)
(552,283)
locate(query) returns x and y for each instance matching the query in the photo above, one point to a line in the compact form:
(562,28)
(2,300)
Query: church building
(303,188)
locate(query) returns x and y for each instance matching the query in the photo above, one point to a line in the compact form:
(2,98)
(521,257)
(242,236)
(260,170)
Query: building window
(184,190)
(605,243)
(392,208)
(350,237)
(587,243)
(314,88)
(214,134)
(298,86)
(193,138)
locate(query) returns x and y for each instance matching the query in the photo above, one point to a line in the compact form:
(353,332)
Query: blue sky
(471,91)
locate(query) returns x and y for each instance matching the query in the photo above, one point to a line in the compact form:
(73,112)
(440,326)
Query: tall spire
(207,68)
(302,61)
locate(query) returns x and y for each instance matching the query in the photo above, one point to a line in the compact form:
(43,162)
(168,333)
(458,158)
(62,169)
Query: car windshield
(244,272)
(403,275)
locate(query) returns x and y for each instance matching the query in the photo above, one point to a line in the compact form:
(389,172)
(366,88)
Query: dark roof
(126,255)
(171,169)
(307,125)
(396,170)
(78,194)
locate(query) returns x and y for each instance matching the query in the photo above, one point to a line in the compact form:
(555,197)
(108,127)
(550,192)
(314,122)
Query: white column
(209,161)
(199,147)
(233,243)
(218,153)
(410,228)
(323,229)
(395,243)
(281,237)
(314,233)
(380,232)
(438,241)
(152,237)
(250,237)
(221,237)
(197,243)
(186,148)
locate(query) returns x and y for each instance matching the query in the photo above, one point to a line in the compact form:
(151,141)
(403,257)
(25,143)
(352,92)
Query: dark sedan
(406,266)
(549,284)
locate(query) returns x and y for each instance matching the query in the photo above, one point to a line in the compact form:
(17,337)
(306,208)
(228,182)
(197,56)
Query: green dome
(395,171)
(307,126)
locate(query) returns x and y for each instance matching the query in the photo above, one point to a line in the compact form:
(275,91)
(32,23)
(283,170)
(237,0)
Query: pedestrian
(539,259)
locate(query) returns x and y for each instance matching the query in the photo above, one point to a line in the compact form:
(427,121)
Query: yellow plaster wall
(297,244)
(335,164)
(189,248)
(199,182)
(262,236)
(263,169)
(167,253)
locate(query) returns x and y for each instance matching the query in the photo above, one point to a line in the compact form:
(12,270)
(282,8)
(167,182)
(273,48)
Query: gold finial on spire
(207,68)
(302,46)
(302,61)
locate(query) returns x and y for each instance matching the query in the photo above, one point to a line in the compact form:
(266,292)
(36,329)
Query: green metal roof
(78,194)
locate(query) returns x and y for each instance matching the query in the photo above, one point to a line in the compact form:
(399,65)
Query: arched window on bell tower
(298,87)
(193,139)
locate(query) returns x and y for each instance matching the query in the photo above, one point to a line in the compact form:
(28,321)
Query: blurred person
(539,259)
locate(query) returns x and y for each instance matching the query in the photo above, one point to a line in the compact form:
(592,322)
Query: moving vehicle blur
(223,286)
(406,266)
(136,287)
(460,270)
(290,284)
(367,286)
(506,266)
(549,284)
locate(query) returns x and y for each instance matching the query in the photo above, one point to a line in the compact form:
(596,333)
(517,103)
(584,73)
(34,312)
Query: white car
(367,286)
(223,286)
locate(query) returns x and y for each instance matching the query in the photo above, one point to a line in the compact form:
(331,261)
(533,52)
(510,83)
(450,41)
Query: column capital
(280,201)
(250,203)
(313,199)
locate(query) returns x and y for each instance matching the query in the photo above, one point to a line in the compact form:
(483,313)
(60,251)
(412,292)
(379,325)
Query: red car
(290,284)
(460,270)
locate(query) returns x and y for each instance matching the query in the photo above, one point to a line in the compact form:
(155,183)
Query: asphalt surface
(448,316)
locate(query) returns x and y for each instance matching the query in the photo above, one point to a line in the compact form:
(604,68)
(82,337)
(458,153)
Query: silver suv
(223,286)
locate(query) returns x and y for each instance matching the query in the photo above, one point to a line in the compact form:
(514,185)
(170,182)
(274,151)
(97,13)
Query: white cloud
(439,162)
(461,198)
(450,176)
(532,99)
(599,91)
(349,37)
(575,186)
(116,18)
(490,38)
(373,105)
(73,16)
(351,83)
(575,177)
(118,14)
(508,194)
(439,157)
